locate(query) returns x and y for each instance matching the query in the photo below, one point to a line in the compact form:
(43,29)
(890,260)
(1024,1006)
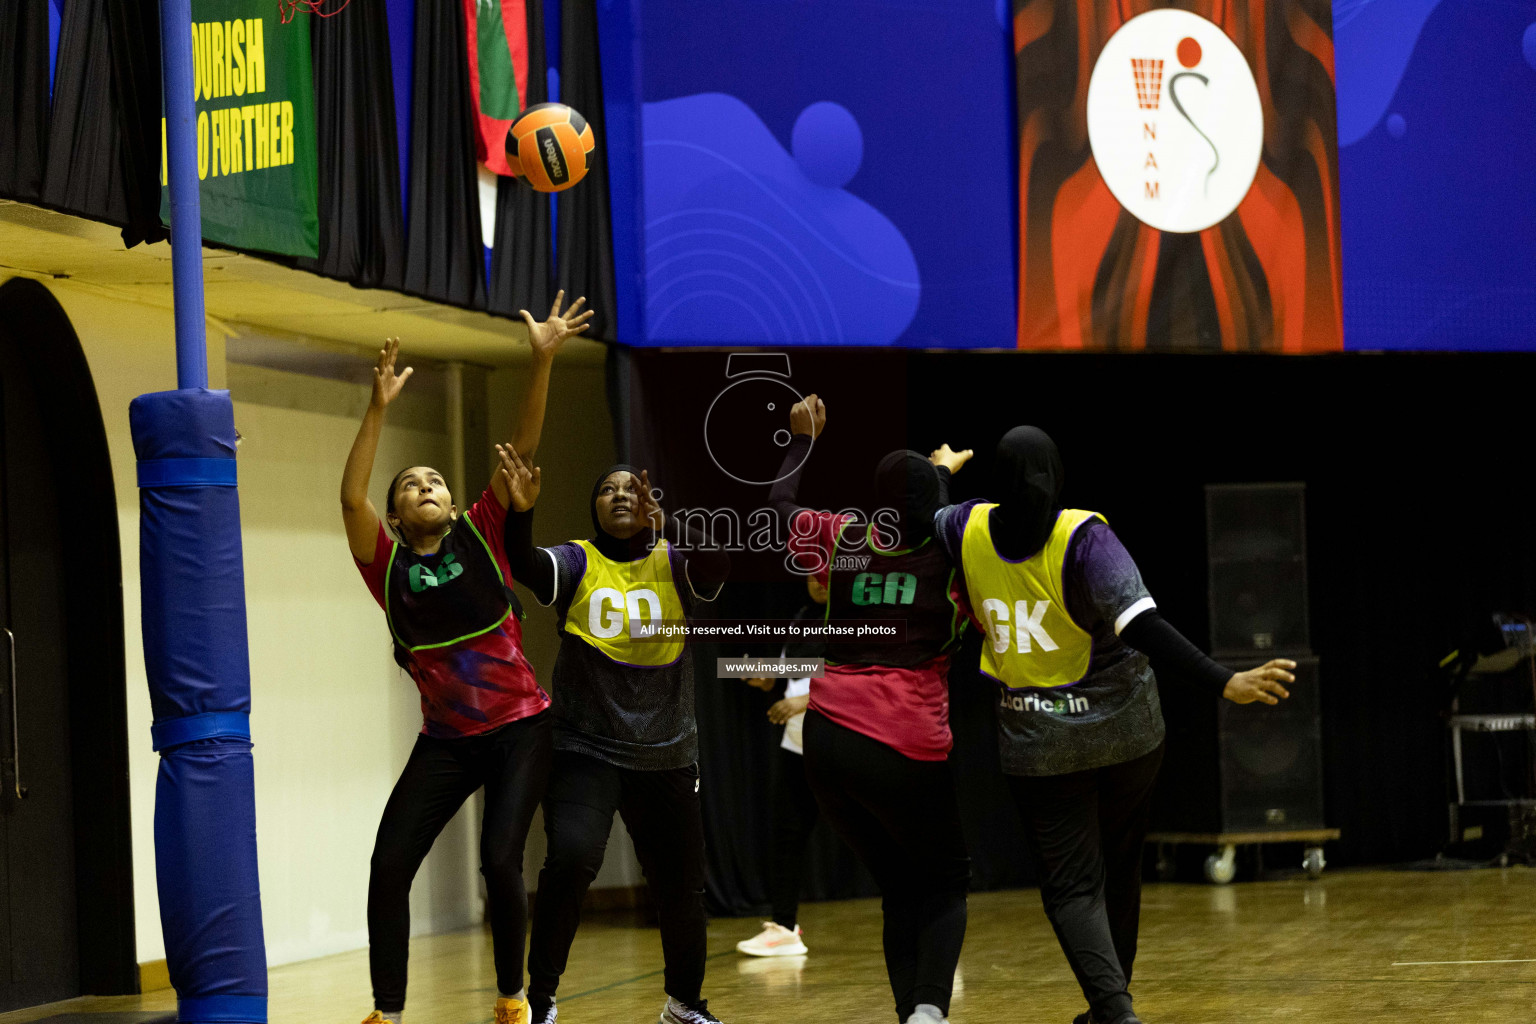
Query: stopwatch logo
(747,427)
(1188,168)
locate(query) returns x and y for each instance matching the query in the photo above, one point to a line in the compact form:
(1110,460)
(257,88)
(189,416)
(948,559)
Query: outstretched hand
(387,384)
(1262,684)
(650,508)
(808,416)
(546,338)
(949,458)
(521,481)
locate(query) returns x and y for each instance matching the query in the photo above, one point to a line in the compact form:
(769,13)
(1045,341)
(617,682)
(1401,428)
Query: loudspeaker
(1267,758)
(1256,545)
(1271,757)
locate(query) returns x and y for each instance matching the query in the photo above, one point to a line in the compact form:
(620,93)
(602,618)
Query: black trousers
(1085,832)
(661,811)
(902,819)
(512,763)
(795,811)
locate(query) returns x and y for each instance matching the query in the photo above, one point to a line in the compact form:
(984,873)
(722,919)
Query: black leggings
(794,809)
(902,819)
(1085,832)
(661,811)
(512,763)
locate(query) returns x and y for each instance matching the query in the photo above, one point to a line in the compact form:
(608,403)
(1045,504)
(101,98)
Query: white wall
(333,718)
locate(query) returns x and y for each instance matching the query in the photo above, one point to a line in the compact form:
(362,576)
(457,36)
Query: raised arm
(704,560)
(807,421)
(545,340)
(948,462)
(517,486)
(357,511)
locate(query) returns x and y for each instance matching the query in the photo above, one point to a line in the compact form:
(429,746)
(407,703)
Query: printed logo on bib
(1175,121)
(1022,631)
(611,612)
(422,577)
(1068,705)
(890,588)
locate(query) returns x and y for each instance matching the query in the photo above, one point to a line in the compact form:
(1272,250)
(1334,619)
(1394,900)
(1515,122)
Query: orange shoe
(375,1018)
(510,1011)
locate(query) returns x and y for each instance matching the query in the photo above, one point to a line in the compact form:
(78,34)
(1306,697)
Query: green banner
(255,128)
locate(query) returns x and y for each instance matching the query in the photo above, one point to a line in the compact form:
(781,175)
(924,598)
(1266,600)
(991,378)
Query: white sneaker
(774,940)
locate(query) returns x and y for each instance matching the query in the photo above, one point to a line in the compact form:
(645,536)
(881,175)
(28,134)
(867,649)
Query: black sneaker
(541,1011)
(677,1012)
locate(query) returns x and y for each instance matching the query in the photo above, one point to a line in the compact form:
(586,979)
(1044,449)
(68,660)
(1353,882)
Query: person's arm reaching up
(705,562)
(807,421)
(357,511)
(532,568)
(545,340)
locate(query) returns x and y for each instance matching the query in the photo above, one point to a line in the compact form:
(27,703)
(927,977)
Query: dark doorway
(66,906)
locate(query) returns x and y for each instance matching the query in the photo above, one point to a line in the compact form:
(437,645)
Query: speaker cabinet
(1257,548)
(1267,759)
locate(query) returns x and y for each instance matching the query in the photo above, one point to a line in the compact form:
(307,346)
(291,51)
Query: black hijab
(620,549)
(1027,480)
(907,482)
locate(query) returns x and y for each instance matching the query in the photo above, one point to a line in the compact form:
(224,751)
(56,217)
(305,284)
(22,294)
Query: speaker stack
(1246,768)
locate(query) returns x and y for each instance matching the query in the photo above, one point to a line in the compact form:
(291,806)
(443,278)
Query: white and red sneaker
(774,940)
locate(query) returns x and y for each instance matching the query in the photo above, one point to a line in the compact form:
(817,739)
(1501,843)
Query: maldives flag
(498,74)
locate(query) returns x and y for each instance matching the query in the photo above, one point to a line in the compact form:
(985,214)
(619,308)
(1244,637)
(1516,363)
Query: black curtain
(362,227)
(667,409)
(1418,521)
(104,139)
(85,151)
(584,234)
(521,273)
(133,30)
(445,257)
(23,97)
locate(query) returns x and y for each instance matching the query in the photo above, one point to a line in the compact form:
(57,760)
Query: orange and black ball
(550,146)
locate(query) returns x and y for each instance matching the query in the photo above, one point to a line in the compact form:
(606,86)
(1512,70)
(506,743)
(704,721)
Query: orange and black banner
(1178,176)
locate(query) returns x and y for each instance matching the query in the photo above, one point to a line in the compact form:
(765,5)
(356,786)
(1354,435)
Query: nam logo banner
(1178,176)
(255,128)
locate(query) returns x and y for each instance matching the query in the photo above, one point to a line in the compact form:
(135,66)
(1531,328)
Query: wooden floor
(1350,948)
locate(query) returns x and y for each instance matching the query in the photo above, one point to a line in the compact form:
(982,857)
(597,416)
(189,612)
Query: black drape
(362,228)
(85,154)
(133,28)
(584,234)
(104,139)
(737,750)
(521,274)
(23,98)
(1417,515)
(445,257)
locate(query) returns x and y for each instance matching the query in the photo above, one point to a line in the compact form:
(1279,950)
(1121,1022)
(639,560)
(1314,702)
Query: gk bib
(1031,639)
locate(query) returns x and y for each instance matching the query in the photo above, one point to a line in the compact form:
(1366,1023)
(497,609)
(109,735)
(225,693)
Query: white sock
(922,1013)
(394,1018)
(522,994)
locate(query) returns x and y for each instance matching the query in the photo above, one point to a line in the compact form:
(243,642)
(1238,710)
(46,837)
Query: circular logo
(1175,121)
(744,429)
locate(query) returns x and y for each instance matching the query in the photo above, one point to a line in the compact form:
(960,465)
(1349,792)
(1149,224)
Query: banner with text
(255,128)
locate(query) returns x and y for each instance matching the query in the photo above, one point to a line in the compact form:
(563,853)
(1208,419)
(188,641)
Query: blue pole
(186,211)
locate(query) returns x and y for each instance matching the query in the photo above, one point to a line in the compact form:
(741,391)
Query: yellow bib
(1022,606)
(616,602)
